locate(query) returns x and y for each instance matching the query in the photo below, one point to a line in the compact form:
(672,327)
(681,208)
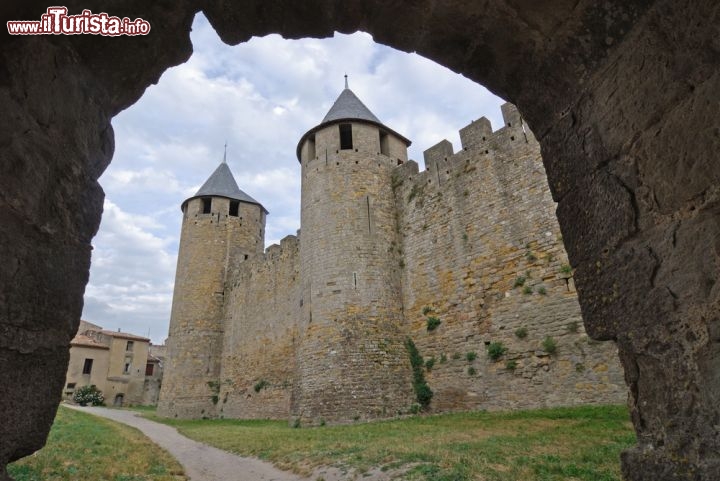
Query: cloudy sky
(260,97)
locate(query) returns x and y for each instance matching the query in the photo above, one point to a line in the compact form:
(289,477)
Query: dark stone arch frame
(622,96)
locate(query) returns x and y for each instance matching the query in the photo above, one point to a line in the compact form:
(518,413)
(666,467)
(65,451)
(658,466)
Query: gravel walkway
(201,462)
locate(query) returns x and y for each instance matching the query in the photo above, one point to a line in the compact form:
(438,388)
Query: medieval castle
(465,259)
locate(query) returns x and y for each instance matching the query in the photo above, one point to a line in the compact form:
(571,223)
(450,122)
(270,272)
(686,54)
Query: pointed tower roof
(348,108)
(221,183)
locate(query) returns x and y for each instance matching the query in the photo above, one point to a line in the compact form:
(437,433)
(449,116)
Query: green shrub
(542,291)
(527,290)
(521,332)
(426,310)
(430,363)
(573,326)
(566,269)
(530,256)
(495,350)
(443,358)
(260,385)
(471,371)
(423,393)
(511,365)
(549,345)
(89,395)
(519,281)
(432,323)
(456,356)
(414,192)
(471,356)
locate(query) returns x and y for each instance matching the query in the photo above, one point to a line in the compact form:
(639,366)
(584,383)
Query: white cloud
(131,274)
(260,97)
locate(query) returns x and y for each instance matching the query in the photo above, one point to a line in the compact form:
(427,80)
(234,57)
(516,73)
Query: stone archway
(623,97)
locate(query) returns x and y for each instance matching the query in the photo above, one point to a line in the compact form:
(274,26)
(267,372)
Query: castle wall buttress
(484,255)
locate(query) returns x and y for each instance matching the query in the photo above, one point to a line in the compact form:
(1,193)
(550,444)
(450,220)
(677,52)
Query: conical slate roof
(348,108)
(221,183)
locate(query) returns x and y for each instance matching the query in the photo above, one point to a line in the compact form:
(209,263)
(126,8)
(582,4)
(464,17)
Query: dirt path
(201,462)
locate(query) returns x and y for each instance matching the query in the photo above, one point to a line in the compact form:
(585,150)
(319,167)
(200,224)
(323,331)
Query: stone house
(120,364)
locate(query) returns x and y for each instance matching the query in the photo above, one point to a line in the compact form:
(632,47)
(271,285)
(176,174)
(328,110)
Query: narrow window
(207,203)
(87,367)
(71,385)
(149,368)
(367,199)
(311,148)
(234,208)
(126,370)
(346,137)
(129,346)
(384,143)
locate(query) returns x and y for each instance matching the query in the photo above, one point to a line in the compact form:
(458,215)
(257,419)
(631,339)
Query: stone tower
(222,226)
(351,361)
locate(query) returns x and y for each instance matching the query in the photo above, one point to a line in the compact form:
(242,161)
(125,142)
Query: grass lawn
(82,447)
(582,443)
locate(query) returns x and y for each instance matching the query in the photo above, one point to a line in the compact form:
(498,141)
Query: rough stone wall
(351,360)
(210,246)
(483,254)
(262,313)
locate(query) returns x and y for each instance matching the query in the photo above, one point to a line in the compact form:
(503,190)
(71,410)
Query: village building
(125,367)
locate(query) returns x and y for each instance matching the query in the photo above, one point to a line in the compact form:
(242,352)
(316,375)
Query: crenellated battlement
(276,254)
(491,161)
(479,135)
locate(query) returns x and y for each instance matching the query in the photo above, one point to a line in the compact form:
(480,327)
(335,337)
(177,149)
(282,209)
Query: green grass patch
(582,444)
(82,447)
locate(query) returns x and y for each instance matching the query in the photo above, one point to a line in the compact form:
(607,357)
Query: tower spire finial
(225,154)
(346,82)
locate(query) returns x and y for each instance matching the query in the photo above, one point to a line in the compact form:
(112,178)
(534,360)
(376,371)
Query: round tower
(221,227)
(351,361)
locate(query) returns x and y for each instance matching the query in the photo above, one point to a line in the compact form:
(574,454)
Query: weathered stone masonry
(483,254)
(314,328)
